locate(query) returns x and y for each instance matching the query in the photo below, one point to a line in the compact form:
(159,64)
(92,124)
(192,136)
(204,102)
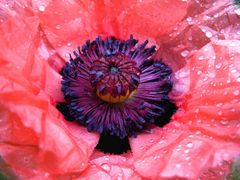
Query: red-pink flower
(198,40)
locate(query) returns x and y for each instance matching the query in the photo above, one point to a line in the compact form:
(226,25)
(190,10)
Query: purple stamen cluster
(114,87)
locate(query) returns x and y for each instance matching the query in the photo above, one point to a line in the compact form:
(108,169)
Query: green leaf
(235,174)
(5,171)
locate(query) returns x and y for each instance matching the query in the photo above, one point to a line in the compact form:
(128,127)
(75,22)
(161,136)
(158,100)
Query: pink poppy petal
(208,133)
(110,167)
(204,22)
(68,24)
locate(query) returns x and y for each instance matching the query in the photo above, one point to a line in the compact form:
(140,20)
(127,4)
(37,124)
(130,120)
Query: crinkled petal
(205,132)
(29,90)
(103,166)
(67,24)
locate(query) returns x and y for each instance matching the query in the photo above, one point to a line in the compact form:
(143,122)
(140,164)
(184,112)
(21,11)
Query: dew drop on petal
(228,81)
(151,140)
(185,53)
(189,19)
(58,27)
(237,11)
(224,122)
(186,151)
(236,92)
(199,72)
(218,66)
(219,104)
(232,44)
(106,158)
(156,157)
(238,79)
(178,165)
(106,167)
(205,78)
(120,176)
(41,8)
(201,58)
(197,110)
(190,145)
(208,34)
(220,113)
(46,175)
(198,132)
(233,71)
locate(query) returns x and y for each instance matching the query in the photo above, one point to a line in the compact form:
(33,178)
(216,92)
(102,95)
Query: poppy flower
(199,43)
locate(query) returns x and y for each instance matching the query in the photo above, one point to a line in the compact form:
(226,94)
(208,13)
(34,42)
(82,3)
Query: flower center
(115,78)
(99,81)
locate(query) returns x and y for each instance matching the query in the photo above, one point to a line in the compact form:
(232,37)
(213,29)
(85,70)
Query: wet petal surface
(199,138)
(203,49)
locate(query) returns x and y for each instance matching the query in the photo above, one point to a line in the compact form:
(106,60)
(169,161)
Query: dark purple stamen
(114,87)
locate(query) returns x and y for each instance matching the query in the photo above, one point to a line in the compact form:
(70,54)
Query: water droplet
(178,165)
(58,26)
(218,66)
(120,176)
(197,110)
(46,174)
(236,92)
(232,43)
(186,151)
(190,38)
(185,53)
(224,122)
(189,19)
(198,132)
(205,17)
(156,157)
(228,81)
(106,158)
(41,8)
(190,145)
(219,104)
(199,72)
(219,113)
(161,142)
(208,34)
(178,149)
(238,79)
(201,58)
(205,78)
(106,167)
(233,71)
(237,11)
